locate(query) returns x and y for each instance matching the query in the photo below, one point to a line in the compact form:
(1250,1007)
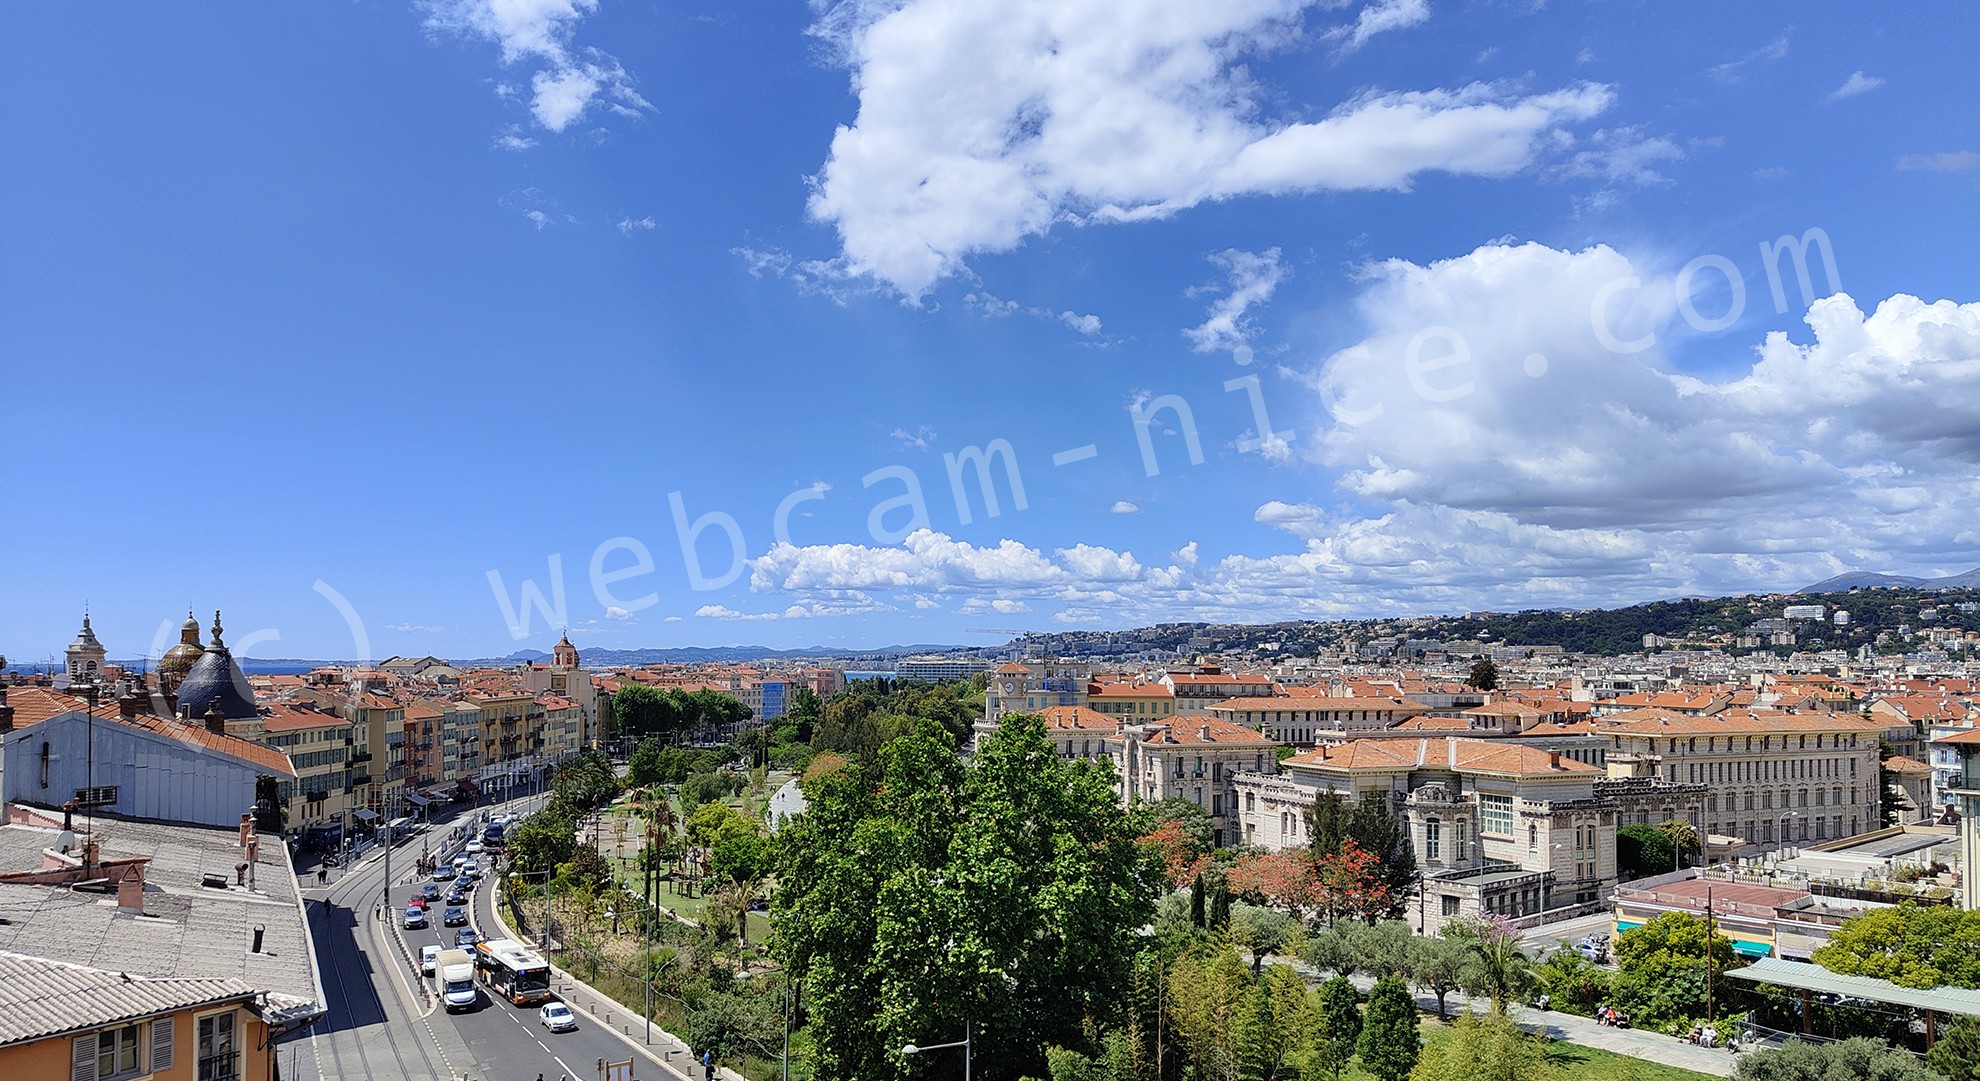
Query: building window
(116,1052)
(1532,838)
(1433,838)
(217,1060)
(1497,815)
(100,796)
(1450,905)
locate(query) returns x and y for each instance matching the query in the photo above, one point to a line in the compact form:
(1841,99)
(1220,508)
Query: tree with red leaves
(1349,883)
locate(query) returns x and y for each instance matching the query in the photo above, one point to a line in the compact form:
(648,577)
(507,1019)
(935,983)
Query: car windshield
(535,979)
(556,1011)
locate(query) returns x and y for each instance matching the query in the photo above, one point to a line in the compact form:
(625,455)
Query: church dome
(178,660)
(216,679)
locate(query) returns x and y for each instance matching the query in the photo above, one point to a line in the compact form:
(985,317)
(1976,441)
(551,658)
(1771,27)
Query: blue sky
(348,319)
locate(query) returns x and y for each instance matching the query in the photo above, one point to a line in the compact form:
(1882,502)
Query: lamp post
(1784,826)
(963,1043)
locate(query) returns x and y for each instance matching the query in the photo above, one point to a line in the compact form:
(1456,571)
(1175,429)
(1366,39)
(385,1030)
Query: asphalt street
(382,1022)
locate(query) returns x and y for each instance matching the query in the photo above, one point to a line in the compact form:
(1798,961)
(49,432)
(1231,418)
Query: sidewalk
(1575,1029)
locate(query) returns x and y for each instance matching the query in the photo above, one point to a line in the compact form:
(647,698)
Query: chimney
(247,828)
(130,890)
(6,711)
(216,722)
(128,703)
(89,851)
(1553,760)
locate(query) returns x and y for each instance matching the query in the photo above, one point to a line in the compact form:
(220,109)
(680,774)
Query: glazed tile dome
(215,679)
(179,660)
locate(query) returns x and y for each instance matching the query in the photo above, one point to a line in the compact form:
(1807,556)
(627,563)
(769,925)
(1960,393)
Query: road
(380,1024)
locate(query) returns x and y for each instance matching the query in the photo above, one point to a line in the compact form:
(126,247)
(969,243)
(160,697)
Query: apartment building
(510,723)
(1774,777)
(1138,702)
(319,744)
(940,669)
(1192,757)
(426,744)
(1965,792)
(563,727)
(91,1023)
(460,730)
(1304,720)
(1209,683)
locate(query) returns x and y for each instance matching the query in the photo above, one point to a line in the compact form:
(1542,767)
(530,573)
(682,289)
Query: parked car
(558,1017)
(429,956)
(465,938)
(430,891)
(415,917)
(454,916)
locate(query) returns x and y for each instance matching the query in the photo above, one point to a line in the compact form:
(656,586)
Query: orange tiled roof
(35,704)
(1426,723)
(295,718)
(1187,728)
(1657,722)
(1898,763)
(190,733)
(1079,718)
(1321,702)
(1439,752)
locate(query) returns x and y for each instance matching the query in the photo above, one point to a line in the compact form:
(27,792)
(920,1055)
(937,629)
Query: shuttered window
(82,1061)
(161,1045)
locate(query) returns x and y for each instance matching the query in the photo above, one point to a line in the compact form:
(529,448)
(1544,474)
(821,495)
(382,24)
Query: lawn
(1571,1062)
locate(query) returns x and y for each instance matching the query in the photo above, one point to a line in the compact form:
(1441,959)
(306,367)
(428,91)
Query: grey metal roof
(187,931)
(1812,977)
(41,998)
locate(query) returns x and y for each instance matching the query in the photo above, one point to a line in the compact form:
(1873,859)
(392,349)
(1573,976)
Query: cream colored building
(1305,720)
(1772,777)
(319,744)
(1193,757)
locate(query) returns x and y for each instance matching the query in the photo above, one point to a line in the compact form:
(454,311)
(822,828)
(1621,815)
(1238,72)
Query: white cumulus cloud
(1251,279)
(981,124)
(1857,83)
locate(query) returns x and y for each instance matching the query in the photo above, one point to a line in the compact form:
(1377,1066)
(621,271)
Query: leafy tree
(1261,932)
(1288,1020)
(1181,857)
(1218,915)
(1212,1008)
(1911,945)
(1350,885)
(1497,968)
(1662,969)
(1439,966)
(1332,822)
(542,842)
(1855,1059)
(732,1024)
(1642,851)
(1484,675)
(1065,1064)
(653,762)
(1572,982)
(642,711)
(1389,1043)
(1387,948)
(1340,1024)
(1957,1052)
(919,892)
(1189,816)
(1284,880)
(1484,1047)
(1329,950)
(706,788)
(1682,836)
(1196,897)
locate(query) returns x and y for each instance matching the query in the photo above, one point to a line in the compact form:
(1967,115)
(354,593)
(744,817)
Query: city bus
(512,971)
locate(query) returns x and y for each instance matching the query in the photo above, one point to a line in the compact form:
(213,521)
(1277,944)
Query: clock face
(1007,686)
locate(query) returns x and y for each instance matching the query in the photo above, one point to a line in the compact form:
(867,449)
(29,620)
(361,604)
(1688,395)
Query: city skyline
(361,324)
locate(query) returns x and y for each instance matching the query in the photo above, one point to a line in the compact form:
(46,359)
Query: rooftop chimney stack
(216,722)
(130,891)
(1553,760)
(247,828)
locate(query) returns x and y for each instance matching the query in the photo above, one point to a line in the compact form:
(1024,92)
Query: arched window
(1532,838)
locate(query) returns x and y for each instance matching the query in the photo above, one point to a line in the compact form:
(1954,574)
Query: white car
(474,848)
(429,956)
(471,869)
(558,1017)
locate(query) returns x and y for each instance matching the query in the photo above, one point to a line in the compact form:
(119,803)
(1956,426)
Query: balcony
(361,756)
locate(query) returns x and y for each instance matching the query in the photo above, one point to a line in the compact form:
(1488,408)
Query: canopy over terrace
(1814,979)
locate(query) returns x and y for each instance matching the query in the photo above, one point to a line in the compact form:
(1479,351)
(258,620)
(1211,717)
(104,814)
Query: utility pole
(1711,936)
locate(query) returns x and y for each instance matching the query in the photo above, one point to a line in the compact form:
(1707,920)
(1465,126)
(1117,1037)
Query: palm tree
(1683,837)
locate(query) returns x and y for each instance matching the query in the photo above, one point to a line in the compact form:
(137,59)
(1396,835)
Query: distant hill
(612,658)
(1873,580)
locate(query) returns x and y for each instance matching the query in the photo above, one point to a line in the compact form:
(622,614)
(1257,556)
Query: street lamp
(1784,826)
(963,1043)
